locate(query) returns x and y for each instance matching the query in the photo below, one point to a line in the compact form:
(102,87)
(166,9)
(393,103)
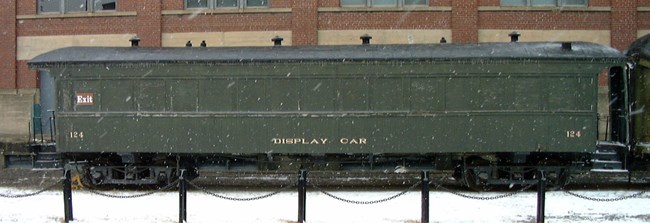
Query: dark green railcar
(512,105)
(640,53)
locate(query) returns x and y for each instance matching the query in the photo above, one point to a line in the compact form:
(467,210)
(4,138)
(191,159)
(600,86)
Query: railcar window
(223,101)
(183,95)
(218,4)
(544,2)
(383,3)
(66,6)
(150,96)
(317,95)
(117,95)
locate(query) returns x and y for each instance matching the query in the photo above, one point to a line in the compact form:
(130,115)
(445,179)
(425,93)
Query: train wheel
(472,176)
(557,175)
(557,179)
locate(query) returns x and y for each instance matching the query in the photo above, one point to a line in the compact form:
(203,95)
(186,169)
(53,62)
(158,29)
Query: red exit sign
(84,99)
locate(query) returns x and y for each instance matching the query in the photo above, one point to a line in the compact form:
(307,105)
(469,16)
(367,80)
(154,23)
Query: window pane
(575,2)
(49,6)
(415,2)
(513,2)
(257,3)
(101,5)
(353,3)
(76,6)
(227,3)
(196,3)
(543,2)
(381,3)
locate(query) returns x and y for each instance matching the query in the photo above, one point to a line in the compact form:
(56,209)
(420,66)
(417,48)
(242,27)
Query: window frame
(371,4)
(557,3)
(241,4)
(90,8)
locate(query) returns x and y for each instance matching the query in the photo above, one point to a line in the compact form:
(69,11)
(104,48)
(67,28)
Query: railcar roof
(641,46)
(216,55)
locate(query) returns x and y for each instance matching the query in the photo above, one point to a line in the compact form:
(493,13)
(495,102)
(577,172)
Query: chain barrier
(367,202)
(240,199)
(484,198)
(31,194)
(635,195)
(169,186)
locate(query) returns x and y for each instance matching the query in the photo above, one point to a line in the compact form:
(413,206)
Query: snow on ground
(282,208)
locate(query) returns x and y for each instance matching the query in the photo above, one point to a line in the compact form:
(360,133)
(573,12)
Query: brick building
(31,27)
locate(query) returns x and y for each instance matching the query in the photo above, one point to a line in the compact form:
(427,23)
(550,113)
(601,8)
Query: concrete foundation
(15,113)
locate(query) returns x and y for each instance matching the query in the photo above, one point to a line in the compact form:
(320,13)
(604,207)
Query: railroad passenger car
(639,53)
(494,112)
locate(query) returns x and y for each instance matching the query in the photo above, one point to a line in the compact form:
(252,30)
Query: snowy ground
(445,207)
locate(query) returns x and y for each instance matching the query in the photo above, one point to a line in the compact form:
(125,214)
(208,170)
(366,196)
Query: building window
(216,4)
(70,6)
(544,3)
(383,3)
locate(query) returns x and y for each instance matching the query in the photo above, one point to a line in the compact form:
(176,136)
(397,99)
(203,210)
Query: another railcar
(639,52)
(494,112)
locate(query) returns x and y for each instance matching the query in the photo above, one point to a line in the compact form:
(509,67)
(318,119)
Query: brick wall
(25,77)
(464,20)
(304,22)
(383,20)
(544,20)
(149,22)
(8,44)
(643,3)
(227,22)
(623,23)
(76,26)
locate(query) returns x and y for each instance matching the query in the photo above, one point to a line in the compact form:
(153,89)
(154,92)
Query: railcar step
(48,164)
(607,164)
(609,171)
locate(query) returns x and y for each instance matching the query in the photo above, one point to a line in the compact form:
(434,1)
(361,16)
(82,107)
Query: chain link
(169,186)
(485,198)
(367,202)
(31,194)
(240,199)
(635,195)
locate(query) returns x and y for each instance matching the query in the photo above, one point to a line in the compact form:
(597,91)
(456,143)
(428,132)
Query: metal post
(541,196)
(53,125)
(51,130)
(67,195)
(182,192)
(302,196)
(425,197)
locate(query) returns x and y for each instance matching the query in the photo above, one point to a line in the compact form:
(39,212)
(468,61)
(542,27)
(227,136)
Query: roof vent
(365,39)
(277,41)
(566,46)
(135,41)
(204,44)
(188,44)
(443,40)
(514,36)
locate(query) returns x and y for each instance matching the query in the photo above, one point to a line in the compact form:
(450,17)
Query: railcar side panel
(389,107)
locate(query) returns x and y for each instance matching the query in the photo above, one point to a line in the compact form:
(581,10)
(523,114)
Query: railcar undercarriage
(476,171)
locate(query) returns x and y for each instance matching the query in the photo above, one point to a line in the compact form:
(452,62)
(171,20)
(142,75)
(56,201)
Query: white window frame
(558,3)
(212,4)
(370,3)
(90,7)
